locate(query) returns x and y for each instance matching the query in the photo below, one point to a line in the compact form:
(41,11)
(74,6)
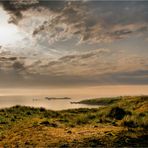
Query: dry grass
(37,127)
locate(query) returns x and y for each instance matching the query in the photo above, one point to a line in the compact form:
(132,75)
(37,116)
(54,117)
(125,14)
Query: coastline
(122,123)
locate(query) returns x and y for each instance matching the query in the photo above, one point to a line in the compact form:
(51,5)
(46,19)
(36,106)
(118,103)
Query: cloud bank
(76,43)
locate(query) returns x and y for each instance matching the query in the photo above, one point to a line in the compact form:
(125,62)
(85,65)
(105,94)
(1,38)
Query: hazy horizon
(78,92)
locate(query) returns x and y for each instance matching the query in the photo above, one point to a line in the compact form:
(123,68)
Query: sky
(73,43)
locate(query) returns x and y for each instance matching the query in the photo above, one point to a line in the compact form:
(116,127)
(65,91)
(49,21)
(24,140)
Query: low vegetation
(100,101)
(123,122)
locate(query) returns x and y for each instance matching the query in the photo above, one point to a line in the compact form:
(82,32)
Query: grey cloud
(89,22)
(102,22)
(18,65)
(92,22)
(70,14)
(36,80)
(100,66)
(9,62)
(8,58)
(134,77)
(89,64)
(15,18)
(15,8)
(40,28)
(76,57)
(135,74)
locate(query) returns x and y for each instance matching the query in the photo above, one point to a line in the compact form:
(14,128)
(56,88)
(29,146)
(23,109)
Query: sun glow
(9,33)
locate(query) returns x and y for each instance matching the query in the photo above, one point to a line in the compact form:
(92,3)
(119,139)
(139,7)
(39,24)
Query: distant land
(54,98)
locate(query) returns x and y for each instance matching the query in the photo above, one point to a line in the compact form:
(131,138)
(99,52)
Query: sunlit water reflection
(36,97)
(40,101)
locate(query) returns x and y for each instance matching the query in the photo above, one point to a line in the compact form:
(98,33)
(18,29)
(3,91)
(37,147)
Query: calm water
(36,97)
(40,101)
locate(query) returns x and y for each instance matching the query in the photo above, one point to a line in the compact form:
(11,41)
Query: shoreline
(122,123)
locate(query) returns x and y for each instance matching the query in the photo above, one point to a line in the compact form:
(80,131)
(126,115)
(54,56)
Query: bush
(47,123)
(130,123)
(82,119)
(117,113)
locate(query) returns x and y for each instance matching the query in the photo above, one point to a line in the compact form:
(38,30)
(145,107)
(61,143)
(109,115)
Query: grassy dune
(100,101)
(124,122)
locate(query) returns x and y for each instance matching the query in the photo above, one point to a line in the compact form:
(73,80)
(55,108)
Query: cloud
(100,66)
(58,25)
(10,62)
(97,24)
(8,58)
(146,39)
(55,50)
(91,22)
(15,8)
(18,65)
(97,62)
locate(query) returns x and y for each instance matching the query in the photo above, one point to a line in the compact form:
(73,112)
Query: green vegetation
(122,123)
(100,101)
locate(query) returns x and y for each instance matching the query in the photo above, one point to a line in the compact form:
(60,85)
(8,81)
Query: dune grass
(100,101)
(123,122)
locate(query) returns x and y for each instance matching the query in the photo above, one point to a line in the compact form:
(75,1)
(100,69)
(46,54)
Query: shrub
(117,113)
(130,123)
(3,120)
(47,123)
(42,109)
(82,119)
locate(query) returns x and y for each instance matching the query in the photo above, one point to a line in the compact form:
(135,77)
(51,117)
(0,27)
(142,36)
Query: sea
(36,97)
